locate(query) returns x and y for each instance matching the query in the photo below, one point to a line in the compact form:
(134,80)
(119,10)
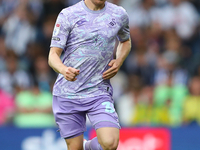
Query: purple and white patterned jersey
(88,40)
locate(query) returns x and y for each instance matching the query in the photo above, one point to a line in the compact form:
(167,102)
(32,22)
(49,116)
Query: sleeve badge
(56,29)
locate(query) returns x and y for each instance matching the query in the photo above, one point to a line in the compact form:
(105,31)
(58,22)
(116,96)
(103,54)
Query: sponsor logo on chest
(81,22)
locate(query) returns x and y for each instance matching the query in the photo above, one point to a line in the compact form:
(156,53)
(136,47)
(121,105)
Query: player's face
(98,2)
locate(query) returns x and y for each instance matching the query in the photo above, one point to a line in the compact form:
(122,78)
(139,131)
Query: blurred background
(156,92)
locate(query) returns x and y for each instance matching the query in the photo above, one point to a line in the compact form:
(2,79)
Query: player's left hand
(112,71)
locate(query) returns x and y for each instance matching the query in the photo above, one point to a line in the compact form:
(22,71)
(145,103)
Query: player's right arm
(60,35)
(56,64)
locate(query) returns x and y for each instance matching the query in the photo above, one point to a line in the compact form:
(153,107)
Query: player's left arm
(123,50)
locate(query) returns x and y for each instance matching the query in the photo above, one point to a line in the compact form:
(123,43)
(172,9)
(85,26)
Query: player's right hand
(70,73)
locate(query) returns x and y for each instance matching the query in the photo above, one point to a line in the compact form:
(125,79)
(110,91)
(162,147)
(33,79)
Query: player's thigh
(69,118)
(103,113)
(104,119)
(75,143)
(108,137)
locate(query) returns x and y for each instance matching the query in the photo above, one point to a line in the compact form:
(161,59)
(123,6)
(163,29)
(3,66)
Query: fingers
(70,79)
(71,73)
(110,69)
(111,63)
(70,76)
(109,76)
(73,70)
(110,73)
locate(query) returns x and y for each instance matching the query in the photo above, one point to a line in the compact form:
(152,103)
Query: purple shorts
(70,114)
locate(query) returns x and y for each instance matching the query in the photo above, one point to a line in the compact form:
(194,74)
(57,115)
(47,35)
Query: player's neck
(92,6)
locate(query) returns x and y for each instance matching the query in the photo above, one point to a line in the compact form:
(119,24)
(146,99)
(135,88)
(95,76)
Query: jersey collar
(92,11)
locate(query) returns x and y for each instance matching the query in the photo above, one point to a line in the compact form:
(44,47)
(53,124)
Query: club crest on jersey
(112,23)
(56,29)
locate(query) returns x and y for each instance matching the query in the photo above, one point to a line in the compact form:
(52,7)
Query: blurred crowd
(158,84)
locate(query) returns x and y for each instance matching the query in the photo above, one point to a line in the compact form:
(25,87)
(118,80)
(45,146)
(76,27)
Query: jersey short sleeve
(124,32)
(61,31)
